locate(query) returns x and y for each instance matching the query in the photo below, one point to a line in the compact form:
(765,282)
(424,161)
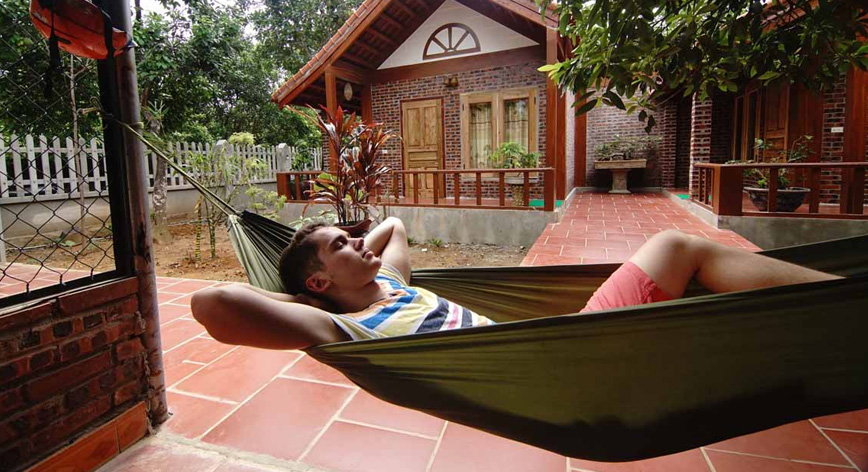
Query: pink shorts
(627,286)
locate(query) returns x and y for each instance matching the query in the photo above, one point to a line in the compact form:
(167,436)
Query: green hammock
(617,385)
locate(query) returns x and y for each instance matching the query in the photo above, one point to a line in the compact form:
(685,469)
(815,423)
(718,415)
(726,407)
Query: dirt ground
(177,258)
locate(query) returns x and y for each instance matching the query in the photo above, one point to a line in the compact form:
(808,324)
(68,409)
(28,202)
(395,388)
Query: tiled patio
(243,409)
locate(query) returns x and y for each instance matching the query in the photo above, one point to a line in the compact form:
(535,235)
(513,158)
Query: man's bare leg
(672,259)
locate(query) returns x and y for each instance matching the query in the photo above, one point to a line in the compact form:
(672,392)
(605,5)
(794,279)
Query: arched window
(451,39)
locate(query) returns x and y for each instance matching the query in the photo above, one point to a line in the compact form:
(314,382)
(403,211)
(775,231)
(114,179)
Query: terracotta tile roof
(361,18)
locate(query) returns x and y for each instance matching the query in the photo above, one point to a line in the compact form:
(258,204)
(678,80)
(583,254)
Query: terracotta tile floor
(237,409)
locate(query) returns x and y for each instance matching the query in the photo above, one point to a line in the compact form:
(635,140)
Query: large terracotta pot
(788,199)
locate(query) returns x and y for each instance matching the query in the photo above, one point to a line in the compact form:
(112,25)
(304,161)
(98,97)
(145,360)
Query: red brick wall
(832,148)
(721,127)
(667,116)
(604,122)
(387,97)
(67,365)
(700,137)
(682,146)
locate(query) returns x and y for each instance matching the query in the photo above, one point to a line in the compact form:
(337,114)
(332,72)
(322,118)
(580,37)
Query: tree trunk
(160,233)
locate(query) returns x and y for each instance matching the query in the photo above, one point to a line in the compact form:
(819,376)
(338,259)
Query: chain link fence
(55,210)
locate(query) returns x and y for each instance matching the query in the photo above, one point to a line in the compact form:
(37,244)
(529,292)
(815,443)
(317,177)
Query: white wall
(492,35)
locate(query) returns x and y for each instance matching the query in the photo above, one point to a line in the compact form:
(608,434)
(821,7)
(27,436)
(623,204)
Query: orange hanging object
(78,26)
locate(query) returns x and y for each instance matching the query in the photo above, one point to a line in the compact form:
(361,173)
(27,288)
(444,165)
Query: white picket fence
(39,168)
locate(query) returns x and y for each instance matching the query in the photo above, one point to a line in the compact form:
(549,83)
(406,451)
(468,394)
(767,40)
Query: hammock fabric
(618,385)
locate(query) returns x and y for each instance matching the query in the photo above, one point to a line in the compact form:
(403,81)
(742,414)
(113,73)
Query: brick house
(456,78)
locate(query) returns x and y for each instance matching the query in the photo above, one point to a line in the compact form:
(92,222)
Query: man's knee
(673,238)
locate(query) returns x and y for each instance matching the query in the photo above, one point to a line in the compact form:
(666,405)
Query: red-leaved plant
(359,173)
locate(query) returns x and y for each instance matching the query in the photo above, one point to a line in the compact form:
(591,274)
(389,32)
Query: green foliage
(649,51)
(215,79)
(265,203)
(511,155)
(411,241)
(24,106)
(798,152)
(435,242)
(242,138)
(631,147)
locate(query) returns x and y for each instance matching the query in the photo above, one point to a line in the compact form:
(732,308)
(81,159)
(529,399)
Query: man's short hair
(300,259)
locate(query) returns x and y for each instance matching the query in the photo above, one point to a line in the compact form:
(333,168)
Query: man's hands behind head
(316,302)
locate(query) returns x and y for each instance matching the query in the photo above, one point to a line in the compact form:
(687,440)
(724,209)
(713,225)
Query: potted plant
(359,171)
(511,155)
(622,154)
(788,198)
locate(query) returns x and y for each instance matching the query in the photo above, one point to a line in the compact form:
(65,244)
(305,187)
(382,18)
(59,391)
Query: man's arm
(236,314)
(388,241)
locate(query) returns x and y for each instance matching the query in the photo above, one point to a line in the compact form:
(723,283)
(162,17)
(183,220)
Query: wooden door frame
(442,162)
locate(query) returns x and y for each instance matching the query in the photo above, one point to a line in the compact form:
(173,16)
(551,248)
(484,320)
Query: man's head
(322,259)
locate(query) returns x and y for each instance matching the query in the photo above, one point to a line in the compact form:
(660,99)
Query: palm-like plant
(358,174)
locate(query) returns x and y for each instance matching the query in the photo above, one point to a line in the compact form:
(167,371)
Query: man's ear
(316,283)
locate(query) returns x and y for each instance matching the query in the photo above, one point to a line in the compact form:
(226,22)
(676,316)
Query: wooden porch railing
(721,189)
(294,185)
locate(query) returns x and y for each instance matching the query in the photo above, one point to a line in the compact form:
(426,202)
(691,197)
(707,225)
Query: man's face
(347,263)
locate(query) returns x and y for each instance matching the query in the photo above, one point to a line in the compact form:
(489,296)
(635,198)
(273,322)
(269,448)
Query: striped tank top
(406,310)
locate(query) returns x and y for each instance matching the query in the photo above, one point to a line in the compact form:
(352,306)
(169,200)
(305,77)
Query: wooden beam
(552,153)
(332,106)
(460,64)
(855,121)
(367,104)
(510,19)
(367,47)
(348,72)
(561,170)
(407,10)
(381,36)
(391,21)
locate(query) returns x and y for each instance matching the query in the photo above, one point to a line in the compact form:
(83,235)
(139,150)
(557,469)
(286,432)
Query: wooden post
(479,189)
(549,189)
(814,185)
(140,225)
(855,134)
(773,191)
(283,185)
(501,188)
(456,188)
(367,104)
(331,86)
(552,99)
(726,191)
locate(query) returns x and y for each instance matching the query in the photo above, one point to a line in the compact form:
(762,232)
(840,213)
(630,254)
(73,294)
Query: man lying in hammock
(367,280)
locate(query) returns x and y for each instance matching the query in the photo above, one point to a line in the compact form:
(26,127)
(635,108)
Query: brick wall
(604,122)
(682,140)
(66,366)
(387,97)
(667,116)
(832,147)
(721,127)
(700,137)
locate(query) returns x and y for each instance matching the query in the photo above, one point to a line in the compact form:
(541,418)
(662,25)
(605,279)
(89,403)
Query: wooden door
(423,143)
(775,124)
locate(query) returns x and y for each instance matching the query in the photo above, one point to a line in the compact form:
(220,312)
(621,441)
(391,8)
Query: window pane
(480,134)
(516,124)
